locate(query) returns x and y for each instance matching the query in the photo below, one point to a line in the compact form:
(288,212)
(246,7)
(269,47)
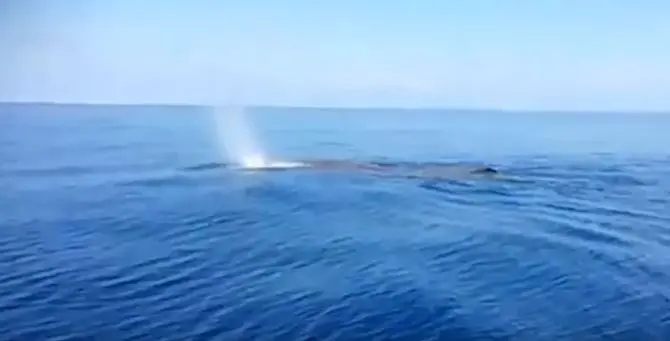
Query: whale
(409,170)
(423,170)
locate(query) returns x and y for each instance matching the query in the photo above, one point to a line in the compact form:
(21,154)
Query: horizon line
(339,107)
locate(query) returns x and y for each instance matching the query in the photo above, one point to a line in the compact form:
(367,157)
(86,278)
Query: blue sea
(110,230)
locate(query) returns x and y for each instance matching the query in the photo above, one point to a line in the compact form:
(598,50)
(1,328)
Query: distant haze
(554,54)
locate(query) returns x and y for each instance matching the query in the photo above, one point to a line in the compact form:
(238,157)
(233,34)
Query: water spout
(237,141)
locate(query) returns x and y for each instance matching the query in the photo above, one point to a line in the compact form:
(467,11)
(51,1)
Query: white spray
(236,138)
(239,142)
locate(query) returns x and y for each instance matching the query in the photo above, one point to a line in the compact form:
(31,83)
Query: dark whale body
(397,169)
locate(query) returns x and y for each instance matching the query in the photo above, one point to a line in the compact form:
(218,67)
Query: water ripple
(566,251)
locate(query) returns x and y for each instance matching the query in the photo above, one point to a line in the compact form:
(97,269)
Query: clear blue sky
(553,54)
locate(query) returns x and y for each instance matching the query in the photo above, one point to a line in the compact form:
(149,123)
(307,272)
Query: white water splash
(239,144)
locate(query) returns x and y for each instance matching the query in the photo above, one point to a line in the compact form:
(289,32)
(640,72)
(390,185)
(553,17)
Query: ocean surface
(110,230)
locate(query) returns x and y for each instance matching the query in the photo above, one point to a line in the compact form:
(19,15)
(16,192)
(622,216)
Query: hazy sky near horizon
(553,54)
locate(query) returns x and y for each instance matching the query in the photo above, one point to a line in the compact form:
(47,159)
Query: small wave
(396,253)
